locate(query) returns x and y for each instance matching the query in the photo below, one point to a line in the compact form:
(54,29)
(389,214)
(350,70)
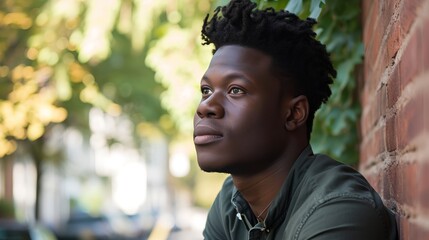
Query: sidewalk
(189,225)
(182,234)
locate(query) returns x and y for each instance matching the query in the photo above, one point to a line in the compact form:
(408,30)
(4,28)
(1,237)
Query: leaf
(63,85)
(295,6)
(316,8)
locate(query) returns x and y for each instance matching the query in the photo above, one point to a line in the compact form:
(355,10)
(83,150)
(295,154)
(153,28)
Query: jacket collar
(278,209)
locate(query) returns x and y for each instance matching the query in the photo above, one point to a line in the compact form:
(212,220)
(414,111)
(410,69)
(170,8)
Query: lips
(204,134)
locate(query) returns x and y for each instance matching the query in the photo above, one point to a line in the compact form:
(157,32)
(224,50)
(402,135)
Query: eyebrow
(230,77)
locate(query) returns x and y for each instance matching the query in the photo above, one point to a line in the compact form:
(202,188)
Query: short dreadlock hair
(290,41)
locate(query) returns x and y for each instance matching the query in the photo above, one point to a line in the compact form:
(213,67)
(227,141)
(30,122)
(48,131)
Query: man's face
(238,125)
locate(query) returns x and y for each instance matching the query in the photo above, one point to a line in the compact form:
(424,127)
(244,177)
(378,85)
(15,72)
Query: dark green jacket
(321,199)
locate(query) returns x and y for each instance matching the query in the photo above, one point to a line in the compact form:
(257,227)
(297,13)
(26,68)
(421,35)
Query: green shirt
(321,199)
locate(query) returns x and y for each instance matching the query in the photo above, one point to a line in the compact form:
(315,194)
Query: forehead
(241,58)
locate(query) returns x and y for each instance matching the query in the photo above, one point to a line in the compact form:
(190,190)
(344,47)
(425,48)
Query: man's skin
(249,124)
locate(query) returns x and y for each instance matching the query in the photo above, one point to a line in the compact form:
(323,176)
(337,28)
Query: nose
(211,107)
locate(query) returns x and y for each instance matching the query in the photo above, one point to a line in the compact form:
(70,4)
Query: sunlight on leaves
(99,21)
(144,14)
(180,75)
(294,6)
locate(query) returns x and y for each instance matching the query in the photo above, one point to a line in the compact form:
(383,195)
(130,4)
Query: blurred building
(106,174)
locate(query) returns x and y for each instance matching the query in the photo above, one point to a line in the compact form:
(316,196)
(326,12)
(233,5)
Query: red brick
(408,62)
(366,157)
(368,162)
(394,40)
(388,176)
(373,179)
(374,145)
(390,134)
(360,82)
(370,77)
(408,13)
(424,39)
(404,228)
(366,96)
(377,110)
(390,7)
(365,125)
(426,111)
(382,101)
(404,180)
(369,24)
(363,160)
(390,179)
(369,91)
(373,47)
(379,66)
(415,108)
(362,91)
(418,231)
(420,43)
(372,117)
(385,61)
(426,105)
(373,35)
(393,88)
(379,56)
(371,114)
(385,15)
(367,74)
(410,121)
(423,189)
(412,228)
(367,69)
(371,85)
(366,9)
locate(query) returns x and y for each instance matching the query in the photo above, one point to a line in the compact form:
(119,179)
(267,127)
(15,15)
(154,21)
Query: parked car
(14,230)
(82,225)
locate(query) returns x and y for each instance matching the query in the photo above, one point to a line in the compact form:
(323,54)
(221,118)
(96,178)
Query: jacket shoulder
(335,196)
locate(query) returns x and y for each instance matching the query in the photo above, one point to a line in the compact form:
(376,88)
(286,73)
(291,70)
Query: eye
(236,90)
(206,91)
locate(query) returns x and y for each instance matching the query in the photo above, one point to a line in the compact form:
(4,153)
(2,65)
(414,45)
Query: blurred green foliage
(57,57)
(61,58)
(7,209)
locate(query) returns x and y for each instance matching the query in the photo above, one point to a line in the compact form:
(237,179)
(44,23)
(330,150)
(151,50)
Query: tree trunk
(8,177)
(36,148)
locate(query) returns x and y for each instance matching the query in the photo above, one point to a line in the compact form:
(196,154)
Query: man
(267,77)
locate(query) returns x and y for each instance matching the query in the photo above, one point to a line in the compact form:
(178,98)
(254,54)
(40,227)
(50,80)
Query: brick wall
(395,109)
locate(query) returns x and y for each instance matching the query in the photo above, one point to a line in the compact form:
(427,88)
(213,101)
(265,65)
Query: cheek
(196,118)
(257,126)
(263,128)
(259,115)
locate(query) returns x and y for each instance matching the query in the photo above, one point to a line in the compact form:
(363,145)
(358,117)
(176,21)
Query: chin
(217,167)
(210,161)
(212,164)
(210,167)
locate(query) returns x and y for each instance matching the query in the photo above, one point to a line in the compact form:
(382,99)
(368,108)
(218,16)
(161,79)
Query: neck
(261,188)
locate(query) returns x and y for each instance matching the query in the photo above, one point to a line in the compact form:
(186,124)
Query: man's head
(300,60)
(267,77)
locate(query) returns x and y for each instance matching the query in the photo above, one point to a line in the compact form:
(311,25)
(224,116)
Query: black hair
(290,41)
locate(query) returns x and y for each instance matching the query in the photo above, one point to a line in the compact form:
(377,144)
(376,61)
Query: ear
(296,113)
